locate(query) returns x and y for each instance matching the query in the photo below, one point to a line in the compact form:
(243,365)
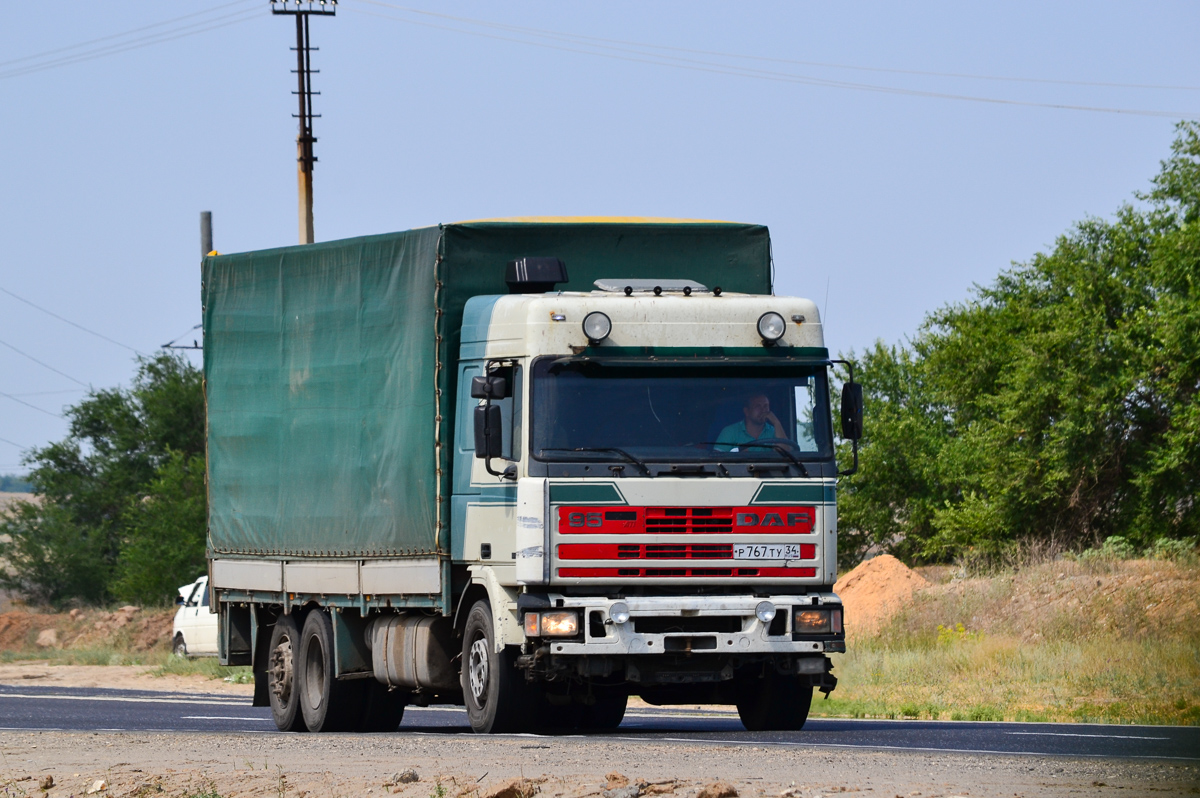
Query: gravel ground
(142,765)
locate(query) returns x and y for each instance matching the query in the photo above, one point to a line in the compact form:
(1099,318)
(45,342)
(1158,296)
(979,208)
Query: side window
(806,404)
(466,421)
(204,595)
(510,412)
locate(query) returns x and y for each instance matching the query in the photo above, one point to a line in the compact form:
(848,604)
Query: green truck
(531,467)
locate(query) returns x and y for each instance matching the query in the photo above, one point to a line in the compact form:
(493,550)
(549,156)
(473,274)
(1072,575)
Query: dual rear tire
(303,692)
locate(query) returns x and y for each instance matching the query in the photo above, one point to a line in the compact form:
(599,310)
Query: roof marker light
(596,326)
(771,327)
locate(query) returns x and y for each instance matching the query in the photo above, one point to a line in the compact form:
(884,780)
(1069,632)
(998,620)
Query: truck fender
(504,606)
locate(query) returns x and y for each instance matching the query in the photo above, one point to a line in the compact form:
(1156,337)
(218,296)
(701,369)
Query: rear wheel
(326,703)
(282,689)
(383,709)
(773,701)
(493,688)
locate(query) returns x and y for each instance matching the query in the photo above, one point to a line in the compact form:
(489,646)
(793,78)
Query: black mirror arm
(854,443)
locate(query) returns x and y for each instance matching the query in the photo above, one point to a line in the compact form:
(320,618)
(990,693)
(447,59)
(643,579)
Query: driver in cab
(758,424)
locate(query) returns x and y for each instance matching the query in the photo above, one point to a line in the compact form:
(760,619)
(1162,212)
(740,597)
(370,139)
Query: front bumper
(688,625)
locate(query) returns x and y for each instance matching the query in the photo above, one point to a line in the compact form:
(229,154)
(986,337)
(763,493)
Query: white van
(195,631)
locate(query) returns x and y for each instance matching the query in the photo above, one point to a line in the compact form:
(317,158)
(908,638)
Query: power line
(134,44)
(13,443)
(49,393)
(696,65)
(171,344)
(68,321)
(27,404)
(45,365)
(584,38)
(118,35)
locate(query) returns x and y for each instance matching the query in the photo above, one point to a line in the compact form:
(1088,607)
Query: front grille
(772,573)
(689,519)
(675,551)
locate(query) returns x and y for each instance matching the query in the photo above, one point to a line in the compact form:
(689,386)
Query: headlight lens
(811,621)
(765,611)
(771,326)
(596,326)
(619,613)
(563,623)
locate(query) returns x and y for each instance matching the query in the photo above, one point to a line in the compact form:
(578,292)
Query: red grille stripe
(685,520)
(659,551)
(609,573)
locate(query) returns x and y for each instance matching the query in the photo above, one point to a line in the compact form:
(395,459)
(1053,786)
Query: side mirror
(489,387)
(852,411)
(179,601)
(488,439)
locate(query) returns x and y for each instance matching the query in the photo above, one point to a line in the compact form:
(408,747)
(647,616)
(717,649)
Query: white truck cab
(633,527)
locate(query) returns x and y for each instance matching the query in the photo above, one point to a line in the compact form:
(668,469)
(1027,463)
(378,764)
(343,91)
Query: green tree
(164,533)
(1057,403)
(122,447)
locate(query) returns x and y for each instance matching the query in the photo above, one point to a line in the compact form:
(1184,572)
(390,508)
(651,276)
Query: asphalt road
(32,708)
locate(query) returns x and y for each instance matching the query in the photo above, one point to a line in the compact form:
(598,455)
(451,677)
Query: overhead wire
(27,404)
(657,59)
(45,365)
(13,443)
(49,393)
(68,321)
(183,31)
(171,344)
(825,64)
(130,32)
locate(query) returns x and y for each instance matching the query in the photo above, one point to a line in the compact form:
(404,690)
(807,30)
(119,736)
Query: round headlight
(619,612)
(597,326)
(771,326)
(765,611)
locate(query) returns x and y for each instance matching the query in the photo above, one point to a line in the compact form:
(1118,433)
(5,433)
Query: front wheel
(773,702)
(604,715)
(493,688)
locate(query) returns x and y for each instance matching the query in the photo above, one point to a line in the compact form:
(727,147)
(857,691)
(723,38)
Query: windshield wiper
(630,458)
(778,447)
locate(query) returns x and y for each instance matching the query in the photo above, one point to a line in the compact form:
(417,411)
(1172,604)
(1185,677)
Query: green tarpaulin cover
(327,434)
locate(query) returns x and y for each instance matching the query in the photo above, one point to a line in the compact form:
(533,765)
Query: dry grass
(1066,640)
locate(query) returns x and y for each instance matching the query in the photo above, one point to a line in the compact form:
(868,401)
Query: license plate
(766,551)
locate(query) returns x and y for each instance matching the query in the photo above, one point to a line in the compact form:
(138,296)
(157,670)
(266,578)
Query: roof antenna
(826,299)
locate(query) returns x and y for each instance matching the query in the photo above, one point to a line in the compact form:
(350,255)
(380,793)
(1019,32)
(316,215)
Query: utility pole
(304,72)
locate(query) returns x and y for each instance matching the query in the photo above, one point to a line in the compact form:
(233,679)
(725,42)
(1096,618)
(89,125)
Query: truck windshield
(660,412)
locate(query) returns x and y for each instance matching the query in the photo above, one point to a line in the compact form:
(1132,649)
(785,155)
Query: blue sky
(884,202)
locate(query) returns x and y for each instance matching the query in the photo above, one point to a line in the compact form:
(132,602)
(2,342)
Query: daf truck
(529,467)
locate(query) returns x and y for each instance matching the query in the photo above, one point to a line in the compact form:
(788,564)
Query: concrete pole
(206,245)
(304,142)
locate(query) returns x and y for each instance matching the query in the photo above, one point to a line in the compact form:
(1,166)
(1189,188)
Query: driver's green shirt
(736,435)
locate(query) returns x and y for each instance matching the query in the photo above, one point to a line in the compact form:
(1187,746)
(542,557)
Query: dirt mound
(875,590)
(130,628)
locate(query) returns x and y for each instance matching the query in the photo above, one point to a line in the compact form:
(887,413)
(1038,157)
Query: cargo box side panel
(319,375)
